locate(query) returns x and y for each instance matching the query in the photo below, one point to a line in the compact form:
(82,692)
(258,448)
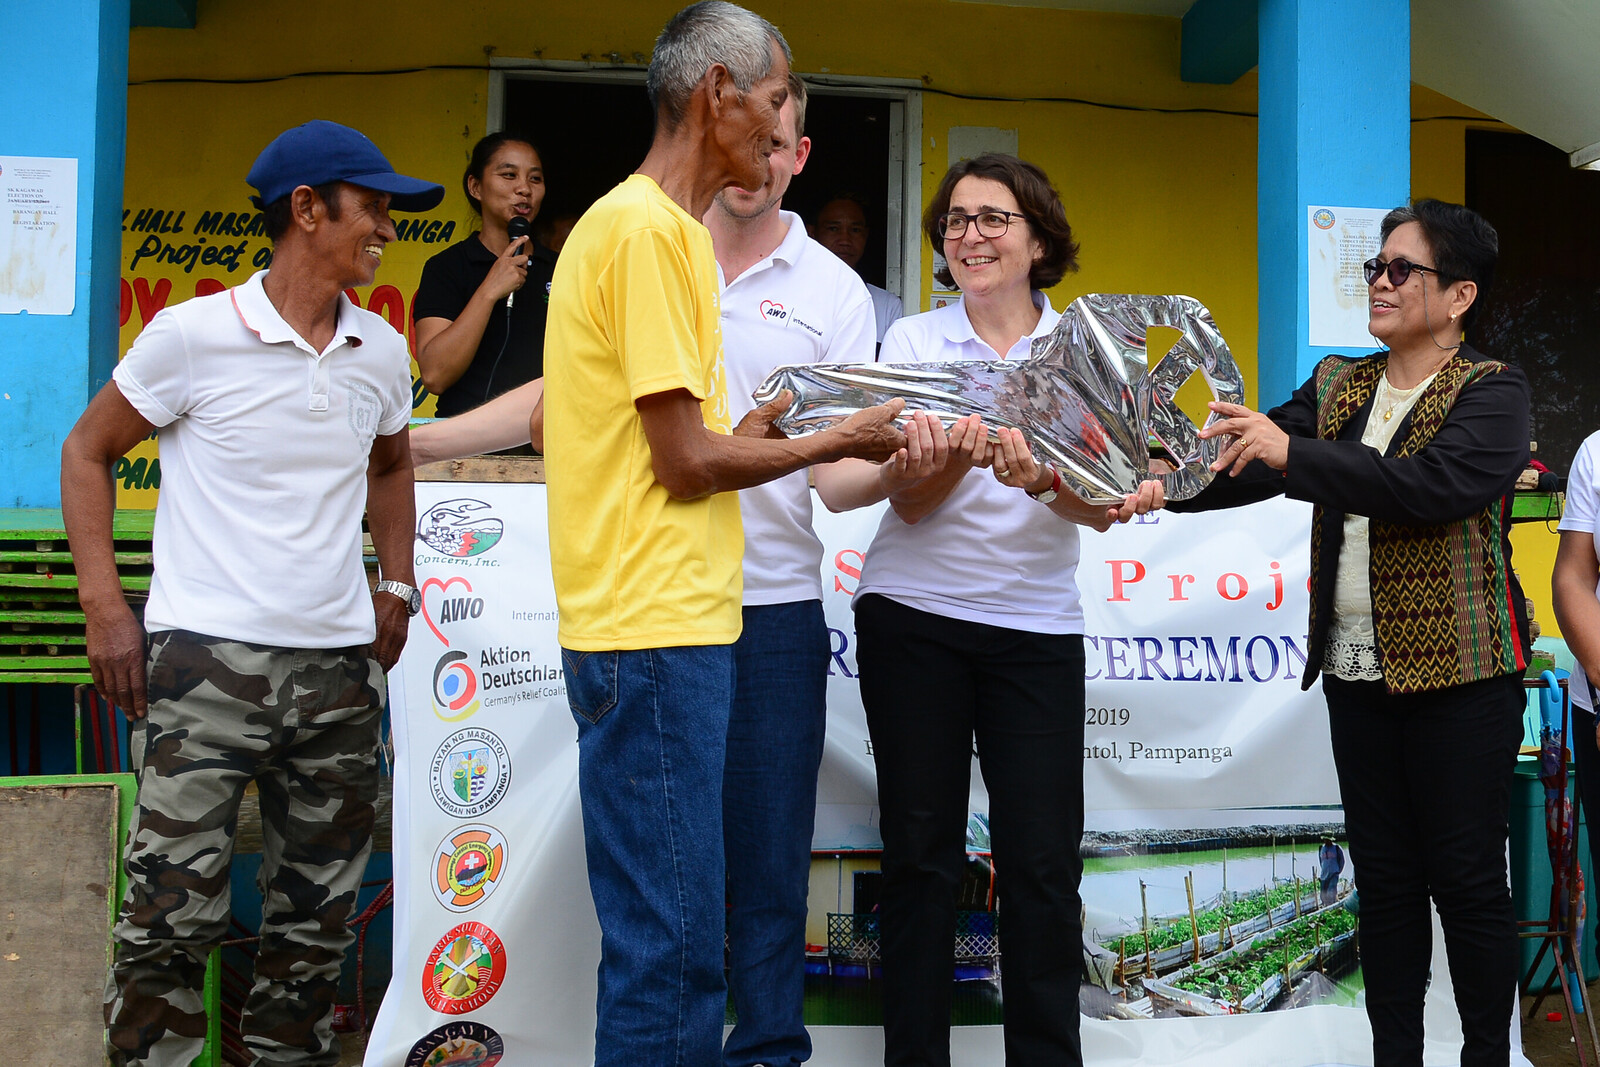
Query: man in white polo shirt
(280,408)
(785,299)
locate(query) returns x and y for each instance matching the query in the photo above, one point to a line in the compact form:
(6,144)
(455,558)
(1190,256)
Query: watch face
(414,604)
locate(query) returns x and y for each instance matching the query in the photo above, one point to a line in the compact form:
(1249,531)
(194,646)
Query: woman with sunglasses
(1418,625)
(970,635)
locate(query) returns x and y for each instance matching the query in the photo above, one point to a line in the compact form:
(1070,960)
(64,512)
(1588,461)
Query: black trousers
(1426,784)
(1586,754)
(932,686)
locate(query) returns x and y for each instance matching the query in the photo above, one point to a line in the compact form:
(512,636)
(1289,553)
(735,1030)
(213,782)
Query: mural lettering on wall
(175,252)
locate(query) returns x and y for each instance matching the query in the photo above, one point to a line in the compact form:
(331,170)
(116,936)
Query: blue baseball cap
(319,152)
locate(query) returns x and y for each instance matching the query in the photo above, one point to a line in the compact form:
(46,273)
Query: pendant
(1387,415)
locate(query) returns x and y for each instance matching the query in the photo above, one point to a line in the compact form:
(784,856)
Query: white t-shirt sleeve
(397,398)
(1581,515)
(154,375)
(1582,509)
(855,335)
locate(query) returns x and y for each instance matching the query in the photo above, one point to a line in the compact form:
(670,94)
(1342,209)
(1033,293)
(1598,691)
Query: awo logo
(773,311)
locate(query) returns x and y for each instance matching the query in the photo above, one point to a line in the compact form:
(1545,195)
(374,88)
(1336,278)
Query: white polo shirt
(886,309)
(988,553)
(264,445)
(799,305)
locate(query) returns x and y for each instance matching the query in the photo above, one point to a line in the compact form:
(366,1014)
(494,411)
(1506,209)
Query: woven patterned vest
(1441,607)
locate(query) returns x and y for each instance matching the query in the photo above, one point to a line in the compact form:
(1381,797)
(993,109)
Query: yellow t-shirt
(634,311)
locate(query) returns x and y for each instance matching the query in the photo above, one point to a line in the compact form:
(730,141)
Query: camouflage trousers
(304,725)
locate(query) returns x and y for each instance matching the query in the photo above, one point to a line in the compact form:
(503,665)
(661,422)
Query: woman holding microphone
(480,309)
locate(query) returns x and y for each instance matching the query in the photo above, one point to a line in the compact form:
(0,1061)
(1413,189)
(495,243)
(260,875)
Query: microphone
(519,226)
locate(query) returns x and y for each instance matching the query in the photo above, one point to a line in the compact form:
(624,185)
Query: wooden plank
(17,580)
(46,677)
(43,663)
(39,638)
(12,597)
(41,616)
(123,559)
(484,469)
(58,884)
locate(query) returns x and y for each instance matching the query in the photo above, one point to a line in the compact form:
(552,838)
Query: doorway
(593,129)
(1543,311)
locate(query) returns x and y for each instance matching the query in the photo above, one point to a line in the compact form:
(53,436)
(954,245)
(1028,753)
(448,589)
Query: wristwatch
(1047,495)
(409,596)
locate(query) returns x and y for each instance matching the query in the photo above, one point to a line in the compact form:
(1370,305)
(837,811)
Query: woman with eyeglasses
(969,635)
(1418,626)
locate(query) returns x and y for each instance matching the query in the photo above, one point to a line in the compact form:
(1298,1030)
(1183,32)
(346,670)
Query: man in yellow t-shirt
(645,540)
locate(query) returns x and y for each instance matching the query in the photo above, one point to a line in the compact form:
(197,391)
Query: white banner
(1200,746)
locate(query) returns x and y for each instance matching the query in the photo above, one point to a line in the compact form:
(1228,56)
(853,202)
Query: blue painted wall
(64,78)
(1335,87)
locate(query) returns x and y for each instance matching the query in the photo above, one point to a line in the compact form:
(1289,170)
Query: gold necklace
(1396,397)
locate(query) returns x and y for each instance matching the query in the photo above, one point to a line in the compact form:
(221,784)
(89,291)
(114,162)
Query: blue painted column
(64,77)
(1335,129)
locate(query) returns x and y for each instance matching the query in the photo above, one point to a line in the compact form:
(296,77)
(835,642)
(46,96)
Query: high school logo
(460,1044)
(460,528)
(455,687)
(467,865)
(464,970)
(470,773)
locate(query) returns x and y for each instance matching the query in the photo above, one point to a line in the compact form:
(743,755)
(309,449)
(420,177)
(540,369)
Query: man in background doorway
(842,229)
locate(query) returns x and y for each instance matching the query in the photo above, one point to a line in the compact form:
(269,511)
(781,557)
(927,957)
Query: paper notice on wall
(1338,241)
(38,235)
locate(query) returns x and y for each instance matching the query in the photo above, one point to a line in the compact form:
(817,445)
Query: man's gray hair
(700,35)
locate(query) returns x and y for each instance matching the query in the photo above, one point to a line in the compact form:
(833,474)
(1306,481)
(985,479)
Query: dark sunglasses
(1398,269)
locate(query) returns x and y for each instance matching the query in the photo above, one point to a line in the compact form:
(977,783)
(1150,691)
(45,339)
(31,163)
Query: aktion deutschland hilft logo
(455,683)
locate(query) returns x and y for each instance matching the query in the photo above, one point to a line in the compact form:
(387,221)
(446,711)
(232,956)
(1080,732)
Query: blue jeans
(652,726)
(769,803)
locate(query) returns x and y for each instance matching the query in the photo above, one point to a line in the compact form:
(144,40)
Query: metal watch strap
(409,596)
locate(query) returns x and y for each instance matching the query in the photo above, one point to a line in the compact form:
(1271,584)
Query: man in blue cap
(280,408)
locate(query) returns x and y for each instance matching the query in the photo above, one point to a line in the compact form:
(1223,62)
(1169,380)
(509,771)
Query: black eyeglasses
(991,224)
(1398,269)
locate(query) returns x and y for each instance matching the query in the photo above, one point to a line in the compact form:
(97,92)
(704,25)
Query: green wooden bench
(41,622)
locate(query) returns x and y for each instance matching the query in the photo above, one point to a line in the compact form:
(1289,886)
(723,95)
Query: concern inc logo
(460,528)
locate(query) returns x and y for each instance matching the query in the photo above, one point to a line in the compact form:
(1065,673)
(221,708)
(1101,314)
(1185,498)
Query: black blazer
(1471,462)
